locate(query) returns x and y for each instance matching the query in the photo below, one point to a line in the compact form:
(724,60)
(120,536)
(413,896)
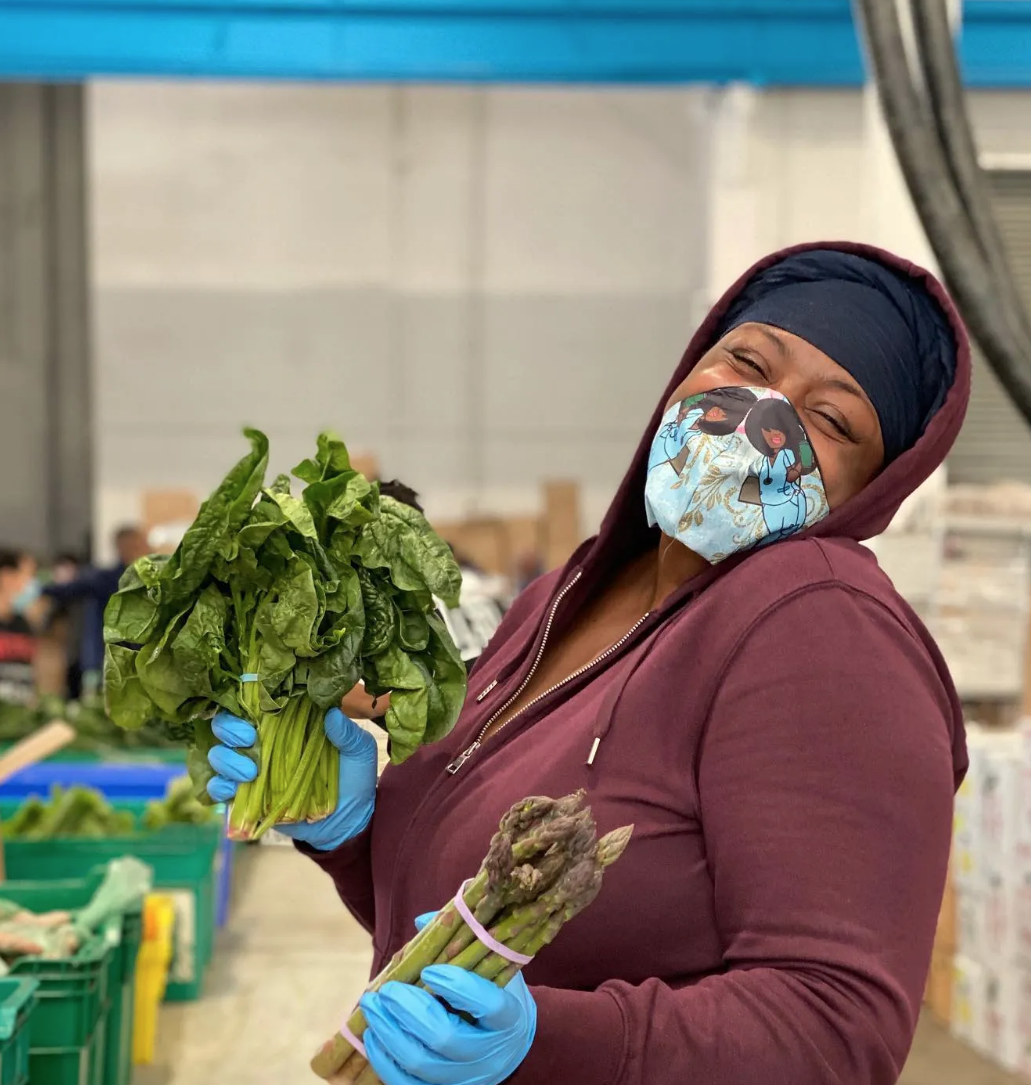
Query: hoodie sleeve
(825,785)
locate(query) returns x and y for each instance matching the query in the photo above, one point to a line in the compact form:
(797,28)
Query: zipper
(469,751)
(464,756)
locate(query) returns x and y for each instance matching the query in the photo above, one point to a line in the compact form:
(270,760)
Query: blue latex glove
(357,776)
(411,1038)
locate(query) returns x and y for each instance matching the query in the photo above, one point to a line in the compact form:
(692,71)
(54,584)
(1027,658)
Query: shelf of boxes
(980,981)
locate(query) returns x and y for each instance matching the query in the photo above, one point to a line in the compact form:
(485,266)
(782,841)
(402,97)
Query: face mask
(27,596)
(730,470)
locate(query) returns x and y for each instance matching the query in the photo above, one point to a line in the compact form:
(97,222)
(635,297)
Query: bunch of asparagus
(544,866)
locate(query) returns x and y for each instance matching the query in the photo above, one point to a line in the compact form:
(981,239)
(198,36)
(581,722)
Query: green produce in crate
(95,731)
(75,811)
(56,934)
(273,607)
(178,807)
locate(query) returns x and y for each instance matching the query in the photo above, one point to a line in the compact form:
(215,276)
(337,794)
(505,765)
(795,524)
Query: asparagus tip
(612,845)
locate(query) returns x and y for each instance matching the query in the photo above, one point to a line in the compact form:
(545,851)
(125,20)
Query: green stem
(296,798)
(368,1076)
(282,771)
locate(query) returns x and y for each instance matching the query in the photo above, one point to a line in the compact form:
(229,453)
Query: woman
(774,432)
(774,720)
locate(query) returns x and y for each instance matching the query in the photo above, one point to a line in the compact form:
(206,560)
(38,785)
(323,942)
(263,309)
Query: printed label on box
(1002,1017)
(969,925)
(968,1003)
(182,969)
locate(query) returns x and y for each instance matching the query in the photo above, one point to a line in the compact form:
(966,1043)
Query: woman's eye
(744,359)
(839,426)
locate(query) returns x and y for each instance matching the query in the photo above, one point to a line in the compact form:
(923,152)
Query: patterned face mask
(733,469)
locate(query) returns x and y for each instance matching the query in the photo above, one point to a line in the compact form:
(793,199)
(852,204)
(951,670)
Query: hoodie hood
(625,529)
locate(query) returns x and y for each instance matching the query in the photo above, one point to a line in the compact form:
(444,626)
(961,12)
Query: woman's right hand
(358,762)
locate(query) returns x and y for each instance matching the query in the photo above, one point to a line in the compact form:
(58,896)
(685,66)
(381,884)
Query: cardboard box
(367,464)
(167,514)
(945,934)
(1024,792)
(1000,770)
(968,1022)
(966,847)
(970,924)
(1024,1022)
(1002,1038)
(939,987)
(1023,908)
(1000,926)
(562,530)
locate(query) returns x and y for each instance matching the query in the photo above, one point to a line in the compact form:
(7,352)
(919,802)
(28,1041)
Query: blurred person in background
(19,597)
(67,620)
(471,624)
(88,589)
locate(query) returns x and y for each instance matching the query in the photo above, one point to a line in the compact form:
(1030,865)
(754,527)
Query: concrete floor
(279,985)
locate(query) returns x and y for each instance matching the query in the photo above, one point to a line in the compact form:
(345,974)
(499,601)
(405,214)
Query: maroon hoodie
(785,737)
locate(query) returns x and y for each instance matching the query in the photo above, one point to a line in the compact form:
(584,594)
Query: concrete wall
(486,288)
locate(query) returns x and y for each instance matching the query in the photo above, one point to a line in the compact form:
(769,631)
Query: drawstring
(607,712)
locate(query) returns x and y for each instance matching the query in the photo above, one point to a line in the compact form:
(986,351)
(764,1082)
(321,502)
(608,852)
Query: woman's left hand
(411,1039)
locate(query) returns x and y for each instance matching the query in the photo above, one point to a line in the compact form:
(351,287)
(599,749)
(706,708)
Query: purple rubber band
(353,1040)
(481,932)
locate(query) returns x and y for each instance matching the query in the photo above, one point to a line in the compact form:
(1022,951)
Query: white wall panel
(486,287)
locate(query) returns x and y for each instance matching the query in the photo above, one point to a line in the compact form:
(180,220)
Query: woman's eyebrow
(845,386)
(776,340)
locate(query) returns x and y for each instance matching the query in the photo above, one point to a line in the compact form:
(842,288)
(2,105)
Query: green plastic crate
(66,1030)
(118,1042)
(17,1001)
(183,859)
(110,1053)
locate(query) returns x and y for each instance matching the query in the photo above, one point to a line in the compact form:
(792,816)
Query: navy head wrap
(880,325)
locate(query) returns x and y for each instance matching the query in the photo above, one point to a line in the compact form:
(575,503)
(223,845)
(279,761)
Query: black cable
(948,228)
(948,103)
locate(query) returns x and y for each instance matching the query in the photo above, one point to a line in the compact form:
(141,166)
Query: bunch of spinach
(273,607)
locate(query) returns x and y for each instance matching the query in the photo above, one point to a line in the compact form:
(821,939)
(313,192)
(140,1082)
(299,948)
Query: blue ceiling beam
(800,43)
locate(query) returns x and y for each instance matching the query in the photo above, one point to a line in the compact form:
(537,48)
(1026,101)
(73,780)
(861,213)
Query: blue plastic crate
(115,779)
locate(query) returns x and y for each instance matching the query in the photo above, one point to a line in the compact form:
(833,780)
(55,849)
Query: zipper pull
(486,691)
(461,759)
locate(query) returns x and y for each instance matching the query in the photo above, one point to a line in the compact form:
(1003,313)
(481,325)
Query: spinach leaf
(224,512)
(200,643)
(337,671)
(295,612)
(402,541)
(130,617)
(293,508)
(379,615)
(406,721)
(124,696)
(330,459)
